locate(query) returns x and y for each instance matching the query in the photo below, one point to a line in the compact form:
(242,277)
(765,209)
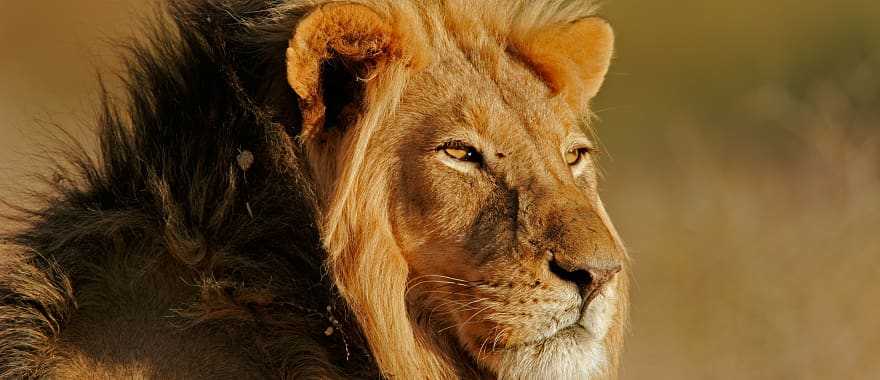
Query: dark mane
(173,187)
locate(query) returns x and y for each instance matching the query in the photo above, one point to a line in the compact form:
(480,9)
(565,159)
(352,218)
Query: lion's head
(457,186)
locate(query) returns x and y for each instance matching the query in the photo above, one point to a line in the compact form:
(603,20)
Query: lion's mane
(173,186)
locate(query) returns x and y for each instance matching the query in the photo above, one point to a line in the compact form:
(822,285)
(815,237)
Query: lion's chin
(572,353)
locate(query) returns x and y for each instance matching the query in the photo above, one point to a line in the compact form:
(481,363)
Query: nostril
(579,277)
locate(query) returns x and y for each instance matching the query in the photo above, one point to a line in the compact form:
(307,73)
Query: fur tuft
(36,299)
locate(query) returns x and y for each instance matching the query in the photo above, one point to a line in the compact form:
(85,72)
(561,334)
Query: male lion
(331,189)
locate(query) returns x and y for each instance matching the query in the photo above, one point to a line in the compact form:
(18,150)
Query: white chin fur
(573,353)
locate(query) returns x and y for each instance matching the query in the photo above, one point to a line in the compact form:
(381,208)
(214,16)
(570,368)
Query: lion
(400,189)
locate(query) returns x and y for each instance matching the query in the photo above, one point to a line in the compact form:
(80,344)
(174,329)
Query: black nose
(589,278)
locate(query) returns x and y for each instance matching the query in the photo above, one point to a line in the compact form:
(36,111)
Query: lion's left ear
(572,58)
(332,53)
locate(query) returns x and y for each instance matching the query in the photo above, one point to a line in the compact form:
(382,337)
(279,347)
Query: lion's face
(458,190)
(495,208)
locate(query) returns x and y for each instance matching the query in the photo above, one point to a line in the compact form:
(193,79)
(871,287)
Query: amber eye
(574,156)
(461,152)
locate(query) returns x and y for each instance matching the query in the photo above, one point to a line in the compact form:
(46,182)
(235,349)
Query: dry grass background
(743,169)
(745,176)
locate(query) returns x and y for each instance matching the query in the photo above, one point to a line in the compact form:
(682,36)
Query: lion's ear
(332,53)
(571,58)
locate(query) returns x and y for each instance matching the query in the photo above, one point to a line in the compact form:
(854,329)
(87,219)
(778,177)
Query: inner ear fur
(572,58)
(333,51)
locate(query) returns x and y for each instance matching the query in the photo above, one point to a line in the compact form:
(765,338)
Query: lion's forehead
(514,113)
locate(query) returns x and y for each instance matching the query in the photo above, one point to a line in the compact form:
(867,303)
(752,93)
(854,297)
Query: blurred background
(741,148)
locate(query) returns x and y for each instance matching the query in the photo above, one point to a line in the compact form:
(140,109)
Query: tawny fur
(166,257)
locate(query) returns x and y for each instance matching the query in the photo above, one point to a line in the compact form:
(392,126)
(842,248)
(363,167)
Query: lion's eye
(574,156)
(462,153)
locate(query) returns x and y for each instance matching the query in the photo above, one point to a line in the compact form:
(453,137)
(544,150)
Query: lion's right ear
(332,52)
(572,58)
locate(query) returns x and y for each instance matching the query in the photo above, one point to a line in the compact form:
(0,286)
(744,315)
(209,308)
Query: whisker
(441,276)
(501,334)
(483,345)
(465,322)
(462,306)
(411,287)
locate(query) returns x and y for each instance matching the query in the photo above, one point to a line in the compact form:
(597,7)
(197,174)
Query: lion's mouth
(574,333)
(579,324)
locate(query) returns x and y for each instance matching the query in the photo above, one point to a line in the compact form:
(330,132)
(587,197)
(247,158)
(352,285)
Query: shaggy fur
(167,192)
(214,238)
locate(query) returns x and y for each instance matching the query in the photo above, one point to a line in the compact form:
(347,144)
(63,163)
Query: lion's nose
(589,278)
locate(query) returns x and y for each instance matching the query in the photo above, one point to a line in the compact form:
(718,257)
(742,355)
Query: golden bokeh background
(741,155)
